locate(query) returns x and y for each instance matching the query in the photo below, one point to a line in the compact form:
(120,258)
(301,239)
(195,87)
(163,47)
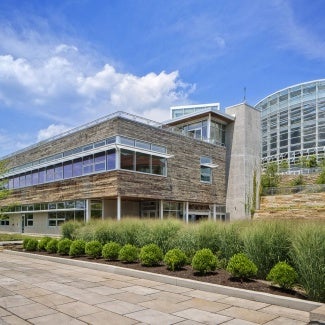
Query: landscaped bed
(220,276)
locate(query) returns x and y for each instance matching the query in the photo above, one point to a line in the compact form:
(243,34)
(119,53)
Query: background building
(293,123)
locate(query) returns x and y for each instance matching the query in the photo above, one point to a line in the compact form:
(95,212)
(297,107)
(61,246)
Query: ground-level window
(29,220)
(4,221)
(96,209)
(173,209)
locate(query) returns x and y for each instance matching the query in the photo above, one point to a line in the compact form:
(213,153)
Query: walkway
(34,291)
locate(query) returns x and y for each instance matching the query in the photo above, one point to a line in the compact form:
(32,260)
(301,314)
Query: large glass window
(110,159)
(158,165)
(88,164)
(127,159)
(143,162)
(67,169)
(99,161)
(77,167)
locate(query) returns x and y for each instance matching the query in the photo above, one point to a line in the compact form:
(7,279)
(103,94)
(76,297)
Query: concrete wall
(243,160)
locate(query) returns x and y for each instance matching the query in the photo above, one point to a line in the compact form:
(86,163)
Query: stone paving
(34,291)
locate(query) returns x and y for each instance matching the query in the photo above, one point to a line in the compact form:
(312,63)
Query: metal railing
(315,188)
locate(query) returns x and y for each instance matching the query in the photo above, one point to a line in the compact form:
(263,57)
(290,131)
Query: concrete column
(88,210)
(118,158)
(161,209)
(214,212)
(118,214)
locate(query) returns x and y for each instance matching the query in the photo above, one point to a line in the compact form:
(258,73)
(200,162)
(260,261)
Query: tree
(270,177)
(4,192)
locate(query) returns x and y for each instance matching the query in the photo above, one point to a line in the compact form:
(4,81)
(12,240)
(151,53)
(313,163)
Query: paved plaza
(36,291)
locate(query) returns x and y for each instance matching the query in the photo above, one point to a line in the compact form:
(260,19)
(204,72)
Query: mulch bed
(220,277)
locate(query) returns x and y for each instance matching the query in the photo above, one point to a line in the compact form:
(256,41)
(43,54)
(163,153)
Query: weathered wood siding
(183,169)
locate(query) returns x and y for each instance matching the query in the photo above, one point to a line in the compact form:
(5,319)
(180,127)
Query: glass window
(4,221)
(58,172)
(99,144)
(127,159)
(29,220)
(205,160)
(99,159)
(158,165)
(157,148)
(110,159)
(28,179)
(67,169)
(127,141)
(50,173)
(35,177)
(205,174)
(77,167)
(142,145)
(22,180)
(41,176)
(143,162)
(88,164)
(110,140)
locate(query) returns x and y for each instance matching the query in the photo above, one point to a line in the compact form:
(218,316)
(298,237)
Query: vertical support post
(214,212)
(88,210)
(118,214)
(103,209)
(186,212)
(161,209)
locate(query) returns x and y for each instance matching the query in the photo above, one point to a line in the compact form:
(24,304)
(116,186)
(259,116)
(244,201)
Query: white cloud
(51,131)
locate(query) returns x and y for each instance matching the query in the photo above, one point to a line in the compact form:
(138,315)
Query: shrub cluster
(151,255)
(77,248)
(64,246)
(111,250)
(175,259)
(52,246)
(128,253)
(204,261)
(264,243)
(240,266)
(42,243)
(283,275)
(93,249)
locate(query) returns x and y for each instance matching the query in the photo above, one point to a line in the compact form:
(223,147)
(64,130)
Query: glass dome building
(293,123)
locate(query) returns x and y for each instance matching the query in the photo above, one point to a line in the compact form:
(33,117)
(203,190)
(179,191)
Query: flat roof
(189,117)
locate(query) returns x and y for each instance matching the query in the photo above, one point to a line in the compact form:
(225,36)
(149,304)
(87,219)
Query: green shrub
(94,249)
(77,248)
(150,255)
(52,246)
(42,243)
(64,246)
(69,229)
(299,180)
(240,266)
(283,274)
(128,253)
(32,245)
(25,242)
(321,177)
(111,250)
(175,259)
(204,261)
(308,254)
(266,244)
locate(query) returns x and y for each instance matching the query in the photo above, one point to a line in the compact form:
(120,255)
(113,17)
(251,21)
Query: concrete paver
(35,291)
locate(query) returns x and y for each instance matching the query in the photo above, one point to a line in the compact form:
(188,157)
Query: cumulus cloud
(59,84)
(51,131)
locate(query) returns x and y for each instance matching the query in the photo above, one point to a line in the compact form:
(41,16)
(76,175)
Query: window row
(94,163)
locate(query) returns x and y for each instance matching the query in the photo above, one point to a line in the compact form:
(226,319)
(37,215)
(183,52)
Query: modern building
(198,165)
(293,123)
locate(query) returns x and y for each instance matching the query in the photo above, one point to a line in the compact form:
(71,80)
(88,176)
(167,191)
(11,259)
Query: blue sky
(65,63)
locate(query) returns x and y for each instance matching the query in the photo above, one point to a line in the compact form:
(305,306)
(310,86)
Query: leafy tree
(321,177)
(312,161)
(270,177)
(4,192)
